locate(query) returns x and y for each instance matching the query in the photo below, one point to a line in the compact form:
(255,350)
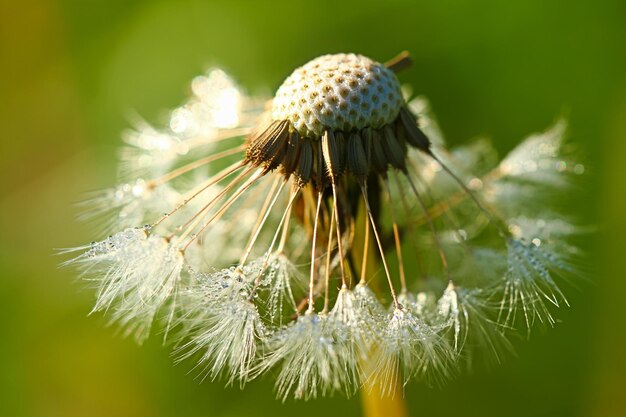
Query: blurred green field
(73,71)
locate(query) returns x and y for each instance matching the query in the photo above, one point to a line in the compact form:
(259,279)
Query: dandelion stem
(376,403)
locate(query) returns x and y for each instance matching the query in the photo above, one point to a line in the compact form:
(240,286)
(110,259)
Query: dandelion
(328,236)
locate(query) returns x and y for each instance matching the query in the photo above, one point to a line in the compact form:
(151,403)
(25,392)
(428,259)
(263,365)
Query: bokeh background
(72,71)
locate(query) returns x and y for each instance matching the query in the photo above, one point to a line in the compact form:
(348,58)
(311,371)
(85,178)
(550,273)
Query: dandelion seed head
(258,220)
(345,108)
(341,92)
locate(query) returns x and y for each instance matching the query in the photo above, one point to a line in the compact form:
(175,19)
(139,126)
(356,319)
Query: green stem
(374,402)
(377,404)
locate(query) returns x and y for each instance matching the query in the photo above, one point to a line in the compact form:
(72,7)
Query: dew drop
(475,184)
(579,169)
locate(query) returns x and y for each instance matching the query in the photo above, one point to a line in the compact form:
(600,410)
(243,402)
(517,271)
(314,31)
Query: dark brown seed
(393,150)
(267,147)
(292,153)
(356,157)
(414,135)
(305,164)
(340,144)
(319,166)
(366,134)
(275,150)
(377,154)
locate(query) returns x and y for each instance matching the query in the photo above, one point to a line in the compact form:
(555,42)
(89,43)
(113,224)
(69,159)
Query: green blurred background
(72,71)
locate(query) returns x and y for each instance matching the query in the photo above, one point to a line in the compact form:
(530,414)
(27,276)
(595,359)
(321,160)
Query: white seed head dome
(339,92)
